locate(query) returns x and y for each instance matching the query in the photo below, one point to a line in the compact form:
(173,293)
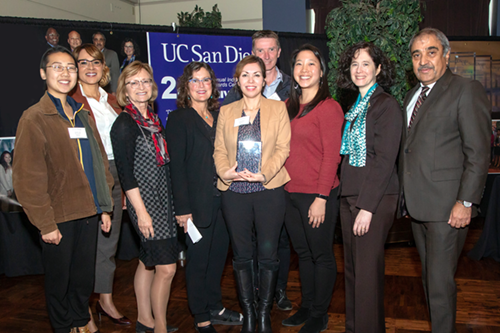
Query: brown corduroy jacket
(48,177)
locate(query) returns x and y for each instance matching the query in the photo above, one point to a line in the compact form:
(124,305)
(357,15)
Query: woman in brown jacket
(369,183)
(65,192)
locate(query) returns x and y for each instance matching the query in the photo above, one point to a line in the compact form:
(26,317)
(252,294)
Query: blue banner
(169,53)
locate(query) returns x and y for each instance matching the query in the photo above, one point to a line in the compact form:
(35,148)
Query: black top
(190,143)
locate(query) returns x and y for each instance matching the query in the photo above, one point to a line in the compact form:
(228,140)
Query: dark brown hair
(386,76)
(250,59)
(183,99)
(293,103)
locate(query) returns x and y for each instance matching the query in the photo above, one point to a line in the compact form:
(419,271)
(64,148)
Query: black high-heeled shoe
(124,321)
(140,328)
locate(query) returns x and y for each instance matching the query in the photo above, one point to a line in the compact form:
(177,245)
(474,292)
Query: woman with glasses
(251,146)
(130,50)
(190,138)
(61,178)
(142,161)
(93,74)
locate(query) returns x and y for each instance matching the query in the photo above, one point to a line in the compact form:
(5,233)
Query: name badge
(242,121)
(77,133)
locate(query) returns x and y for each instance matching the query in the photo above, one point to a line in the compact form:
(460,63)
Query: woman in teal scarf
(369,182)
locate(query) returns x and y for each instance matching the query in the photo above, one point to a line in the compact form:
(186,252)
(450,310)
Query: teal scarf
(354,139)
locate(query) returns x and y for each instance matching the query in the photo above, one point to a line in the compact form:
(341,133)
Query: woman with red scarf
(141,158)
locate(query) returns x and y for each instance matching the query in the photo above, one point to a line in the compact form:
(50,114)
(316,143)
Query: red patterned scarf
(153,126)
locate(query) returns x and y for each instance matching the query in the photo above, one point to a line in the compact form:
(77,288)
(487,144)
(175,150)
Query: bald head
(74,40)
(52,37)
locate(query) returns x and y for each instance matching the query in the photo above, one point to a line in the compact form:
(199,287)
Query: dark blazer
(379,176)
(445,155)
(191,164)
(114,67)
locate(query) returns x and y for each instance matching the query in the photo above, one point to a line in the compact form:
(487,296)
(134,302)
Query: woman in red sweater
(312,204)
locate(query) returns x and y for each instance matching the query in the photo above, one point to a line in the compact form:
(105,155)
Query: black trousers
(364,265)
(263,211)
(314,247)
(283,256)
(205,263)
(439,246)
(69,273)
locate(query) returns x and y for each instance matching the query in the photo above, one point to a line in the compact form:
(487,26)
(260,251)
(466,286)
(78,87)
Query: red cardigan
(315,149)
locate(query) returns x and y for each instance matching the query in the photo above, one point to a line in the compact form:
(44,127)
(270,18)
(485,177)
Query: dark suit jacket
(445,155)
(114,67)
(379,176)
(191,165)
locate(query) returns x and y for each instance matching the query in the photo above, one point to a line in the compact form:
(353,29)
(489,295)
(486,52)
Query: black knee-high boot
(243,272)
(268,274)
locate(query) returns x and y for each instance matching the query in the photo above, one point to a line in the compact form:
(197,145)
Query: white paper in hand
(193,232)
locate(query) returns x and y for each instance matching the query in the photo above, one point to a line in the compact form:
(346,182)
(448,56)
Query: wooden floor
(22,302)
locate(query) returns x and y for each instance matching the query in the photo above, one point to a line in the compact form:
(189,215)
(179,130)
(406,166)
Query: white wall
(236,14)
(83,10)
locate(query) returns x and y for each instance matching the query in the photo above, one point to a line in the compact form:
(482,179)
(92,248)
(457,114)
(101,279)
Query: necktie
(420,100)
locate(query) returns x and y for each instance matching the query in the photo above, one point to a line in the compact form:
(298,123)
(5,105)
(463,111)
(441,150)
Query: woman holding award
(251,146)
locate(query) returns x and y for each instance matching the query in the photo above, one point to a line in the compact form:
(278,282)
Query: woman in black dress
(190,138)
(142,159)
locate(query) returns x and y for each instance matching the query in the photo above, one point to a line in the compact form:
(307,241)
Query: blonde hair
(98,55)
(131,70)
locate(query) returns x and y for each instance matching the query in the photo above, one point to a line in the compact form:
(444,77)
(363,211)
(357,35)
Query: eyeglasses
(129,46)
(60,68)
(85,62)
(206,80)
(136,84)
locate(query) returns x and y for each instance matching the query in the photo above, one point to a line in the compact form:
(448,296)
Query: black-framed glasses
(136,84)
(206,80)
(60,68)
(86,62)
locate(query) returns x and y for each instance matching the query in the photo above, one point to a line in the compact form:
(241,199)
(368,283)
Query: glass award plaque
(249,156)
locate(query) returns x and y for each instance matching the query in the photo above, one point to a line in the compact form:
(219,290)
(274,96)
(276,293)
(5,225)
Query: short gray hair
(445,43)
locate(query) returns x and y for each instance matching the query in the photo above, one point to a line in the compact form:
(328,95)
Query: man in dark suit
(442,168)
(111,58)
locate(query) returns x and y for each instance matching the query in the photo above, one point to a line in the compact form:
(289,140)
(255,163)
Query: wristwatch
(322,196)
(466,204)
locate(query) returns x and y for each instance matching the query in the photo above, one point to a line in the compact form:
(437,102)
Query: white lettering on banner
(197,54)
(167,94)
(200,58)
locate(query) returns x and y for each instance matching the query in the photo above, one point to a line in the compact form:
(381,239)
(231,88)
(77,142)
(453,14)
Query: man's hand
(53,237)
(106,222)
(460,216)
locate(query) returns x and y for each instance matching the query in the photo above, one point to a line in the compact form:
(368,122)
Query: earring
(296,86)
(211,97)
(189,97)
